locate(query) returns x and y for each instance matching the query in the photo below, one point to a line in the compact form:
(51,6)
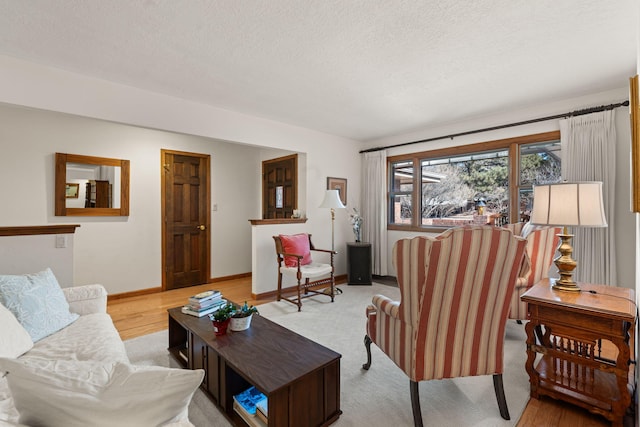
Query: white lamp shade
(577,204)
(332,200)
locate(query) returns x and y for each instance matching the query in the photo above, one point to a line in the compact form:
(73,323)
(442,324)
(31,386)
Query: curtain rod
(526,122)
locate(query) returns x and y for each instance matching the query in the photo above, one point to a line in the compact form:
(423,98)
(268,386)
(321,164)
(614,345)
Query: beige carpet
(380,396)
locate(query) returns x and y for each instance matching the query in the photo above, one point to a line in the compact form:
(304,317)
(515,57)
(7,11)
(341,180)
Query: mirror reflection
(92,186)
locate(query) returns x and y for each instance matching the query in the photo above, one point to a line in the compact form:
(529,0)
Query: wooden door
(186,218)
(103,194)
(279,187)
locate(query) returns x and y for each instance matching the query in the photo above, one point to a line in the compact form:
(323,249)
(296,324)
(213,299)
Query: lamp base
(572,286)
(565,265)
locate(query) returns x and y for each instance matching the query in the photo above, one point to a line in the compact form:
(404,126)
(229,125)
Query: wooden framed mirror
(91,186)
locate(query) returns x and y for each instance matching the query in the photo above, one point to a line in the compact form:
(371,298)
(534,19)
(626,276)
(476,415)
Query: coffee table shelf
(300,377)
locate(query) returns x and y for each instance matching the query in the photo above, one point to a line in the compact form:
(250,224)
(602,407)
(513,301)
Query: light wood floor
(145,314)
(141,315)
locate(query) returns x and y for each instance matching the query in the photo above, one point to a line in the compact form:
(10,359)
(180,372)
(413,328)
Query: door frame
(164,239)
(264,195)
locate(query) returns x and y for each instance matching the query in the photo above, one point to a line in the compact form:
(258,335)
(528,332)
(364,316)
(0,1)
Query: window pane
(401,194)
(525,204)
(540,163)
(451,190)
(402,209)
(402,176)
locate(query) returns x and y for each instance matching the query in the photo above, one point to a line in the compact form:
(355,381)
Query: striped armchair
(542,243)
(450,321)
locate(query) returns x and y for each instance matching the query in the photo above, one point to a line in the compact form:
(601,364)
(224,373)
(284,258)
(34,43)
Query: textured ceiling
(357,68)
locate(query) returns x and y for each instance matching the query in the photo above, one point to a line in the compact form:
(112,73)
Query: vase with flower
(356,223)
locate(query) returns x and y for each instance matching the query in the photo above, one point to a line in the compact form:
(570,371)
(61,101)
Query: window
(539,164)
(487,183)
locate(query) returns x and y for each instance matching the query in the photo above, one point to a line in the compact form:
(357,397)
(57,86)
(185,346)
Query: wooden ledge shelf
(32,230)
(278,221)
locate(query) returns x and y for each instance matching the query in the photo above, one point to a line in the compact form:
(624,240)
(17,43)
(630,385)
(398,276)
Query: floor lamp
(575,204)
(332,201)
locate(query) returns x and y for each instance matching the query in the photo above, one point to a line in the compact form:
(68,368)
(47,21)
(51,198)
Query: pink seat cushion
(296,244)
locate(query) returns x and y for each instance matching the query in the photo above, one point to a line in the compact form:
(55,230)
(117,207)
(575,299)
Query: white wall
(123,253)
(34,253)
(624,220)
(100,257)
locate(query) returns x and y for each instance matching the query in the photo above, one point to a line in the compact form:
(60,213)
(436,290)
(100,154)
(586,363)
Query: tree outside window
(463,182)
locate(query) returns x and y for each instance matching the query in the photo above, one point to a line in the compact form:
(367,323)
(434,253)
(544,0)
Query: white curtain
(374,208)
(588,154)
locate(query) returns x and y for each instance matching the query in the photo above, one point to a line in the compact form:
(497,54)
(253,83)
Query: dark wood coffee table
(301,378)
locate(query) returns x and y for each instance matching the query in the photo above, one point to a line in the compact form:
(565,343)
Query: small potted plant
(221,318)
(241,317)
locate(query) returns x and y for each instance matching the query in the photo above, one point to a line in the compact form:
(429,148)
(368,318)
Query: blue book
(248,399)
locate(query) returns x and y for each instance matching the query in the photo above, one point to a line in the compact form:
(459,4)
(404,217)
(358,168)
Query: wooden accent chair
(542,243)
(450,321)
(293,254)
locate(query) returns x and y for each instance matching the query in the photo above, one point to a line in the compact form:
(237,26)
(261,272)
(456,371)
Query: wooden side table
(567,331)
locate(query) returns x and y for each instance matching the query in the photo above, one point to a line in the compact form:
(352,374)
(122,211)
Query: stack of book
(251,405)
(204,303)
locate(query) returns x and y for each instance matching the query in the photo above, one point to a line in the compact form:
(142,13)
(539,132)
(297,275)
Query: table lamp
(332,201)
(480,205)
(575,204)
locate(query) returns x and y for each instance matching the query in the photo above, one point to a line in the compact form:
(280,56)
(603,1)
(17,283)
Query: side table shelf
(570,336)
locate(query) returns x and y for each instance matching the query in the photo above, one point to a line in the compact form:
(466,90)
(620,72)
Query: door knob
(201,227)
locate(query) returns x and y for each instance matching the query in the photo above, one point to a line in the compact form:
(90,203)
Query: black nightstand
(359,263)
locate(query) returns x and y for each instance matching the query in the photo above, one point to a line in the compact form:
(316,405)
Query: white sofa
(91,344)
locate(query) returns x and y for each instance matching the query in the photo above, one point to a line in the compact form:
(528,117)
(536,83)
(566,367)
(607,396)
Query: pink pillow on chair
(296,244)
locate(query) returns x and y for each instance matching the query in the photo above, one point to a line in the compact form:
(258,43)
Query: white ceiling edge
(44,87)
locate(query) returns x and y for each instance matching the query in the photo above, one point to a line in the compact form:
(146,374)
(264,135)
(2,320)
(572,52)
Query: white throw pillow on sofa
(37,301)
(14,339)
(70,393)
